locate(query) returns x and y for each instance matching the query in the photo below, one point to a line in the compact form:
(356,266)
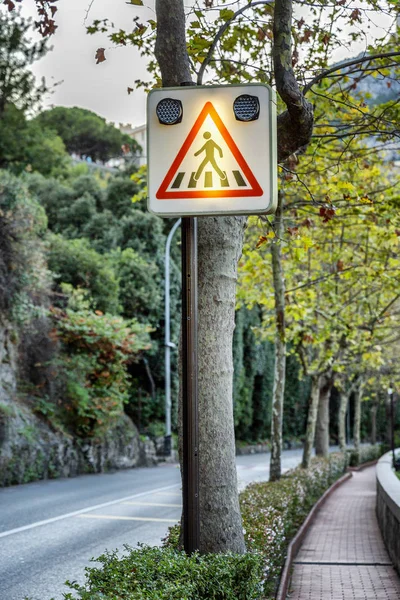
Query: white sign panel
(212,150)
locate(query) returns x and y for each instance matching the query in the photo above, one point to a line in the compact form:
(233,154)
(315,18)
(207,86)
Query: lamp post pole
(168,344)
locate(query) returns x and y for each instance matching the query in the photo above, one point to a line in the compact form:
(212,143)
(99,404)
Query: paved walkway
(343,556)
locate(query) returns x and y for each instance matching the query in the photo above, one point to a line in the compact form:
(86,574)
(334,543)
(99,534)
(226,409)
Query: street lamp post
(168,343)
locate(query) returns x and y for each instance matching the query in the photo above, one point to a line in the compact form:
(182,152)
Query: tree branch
(345,65)
(295,125)
(221,32)
(319,279)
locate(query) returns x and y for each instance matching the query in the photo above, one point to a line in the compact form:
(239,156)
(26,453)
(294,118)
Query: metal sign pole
(168,343)
(191,515)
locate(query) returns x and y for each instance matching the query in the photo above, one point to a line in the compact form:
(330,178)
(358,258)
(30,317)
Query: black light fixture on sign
(246,108)
(169,111)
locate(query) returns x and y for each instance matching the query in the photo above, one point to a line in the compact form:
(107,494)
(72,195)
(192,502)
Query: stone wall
(388,507)
(30,449)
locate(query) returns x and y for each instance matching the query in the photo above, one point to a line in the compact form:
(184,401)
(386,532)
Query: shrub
(272,512)
(95,350)
(51,194)
(71,218)
(166,574)
(58,198)
(76,263)
(23,275)
(140,286)
(120,192)
(364,454)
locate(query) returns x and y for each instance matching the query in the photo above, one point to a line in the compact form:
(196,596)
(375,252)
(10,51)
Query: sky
(101,88)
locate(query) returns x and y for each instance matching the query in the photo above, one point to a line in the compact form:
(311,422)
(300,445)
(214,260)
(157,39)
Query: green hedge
(272,513)
(165,574)
(364,454)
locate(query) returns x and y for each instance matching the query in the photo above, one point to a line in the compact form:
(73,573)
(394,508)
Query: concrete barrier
(388,507)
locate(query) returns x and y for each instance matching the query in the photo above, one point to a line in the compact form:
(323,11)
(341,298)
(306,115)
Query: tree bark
(311,420)
(357,416)
(344,403)
(280,346)
(170,50)
(295,125)
(220,246)
(344,407)
(220,242)
(322,427)
(388,428)
(374,410)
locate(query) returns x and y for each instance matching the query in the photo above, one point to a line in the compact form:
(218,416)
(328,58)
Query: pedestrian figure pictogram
(209,148)
(228,175)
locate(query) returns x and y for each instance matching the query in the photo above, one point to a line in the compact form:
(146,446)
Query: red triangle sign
(250,188)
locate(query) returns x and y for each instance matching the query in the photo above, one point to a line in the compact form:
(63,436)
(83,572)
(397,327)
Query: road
(49,530)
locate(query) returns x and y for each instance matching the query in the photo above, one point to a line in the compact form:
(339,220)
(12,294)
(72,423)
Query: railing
(388,507)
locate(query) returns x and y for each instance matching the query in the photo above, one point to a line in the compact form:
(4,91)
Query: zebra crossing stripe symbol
(209,164)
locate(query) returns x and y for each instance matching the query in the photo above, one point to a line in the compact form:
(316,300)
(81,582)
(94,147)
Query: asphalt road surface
(50,530)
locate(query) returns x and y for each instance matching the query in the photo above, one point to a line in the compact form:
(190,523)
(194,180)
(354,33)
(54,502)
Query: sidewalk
(343,556)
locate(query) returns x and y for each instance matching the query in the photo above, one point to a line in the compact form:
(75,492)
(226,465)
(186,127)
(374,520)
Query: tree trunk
(357,416)
(344,403)
(322,427)
(343,412)
(220,243)
(280,347)
(220,246)
(311,420)
(170,49)
(374,410)
(388,428)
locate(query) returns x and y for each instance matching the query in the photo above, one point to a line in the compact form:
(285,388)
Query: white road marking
(86,510)
(151,504)
(122,518)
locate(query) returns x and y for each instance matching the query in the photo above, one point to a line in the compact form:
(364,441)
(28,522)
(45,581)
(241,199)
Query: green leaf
(226,14)
(136,2)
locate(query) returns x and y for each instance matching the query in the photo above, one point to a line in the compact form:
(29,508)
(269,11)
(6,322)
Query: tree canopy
(86,133)
(17,53)
(23,141)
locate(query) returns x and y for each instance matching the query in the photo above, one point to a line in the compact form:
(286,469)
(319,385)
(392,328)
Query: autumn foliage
(95,352)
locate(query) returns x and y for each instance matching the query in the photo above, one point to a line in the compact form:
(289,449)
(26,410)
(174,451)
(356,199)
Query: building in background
(140,136)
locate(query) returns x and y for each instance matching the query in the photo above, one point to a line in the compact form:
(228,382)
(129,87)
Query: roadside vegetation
(272,513)
(315,348)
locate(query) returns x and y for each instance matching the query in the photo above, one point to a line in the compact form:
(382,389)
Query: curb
(295,544)
(371,463)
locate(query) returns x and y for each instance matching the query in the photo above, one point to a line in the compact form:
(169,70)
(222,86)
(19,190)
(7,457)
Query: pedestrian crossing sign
(215,158)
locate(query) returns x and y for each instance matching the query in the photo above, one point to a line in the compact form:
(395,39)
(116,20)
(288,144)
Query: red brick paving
(343,556)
